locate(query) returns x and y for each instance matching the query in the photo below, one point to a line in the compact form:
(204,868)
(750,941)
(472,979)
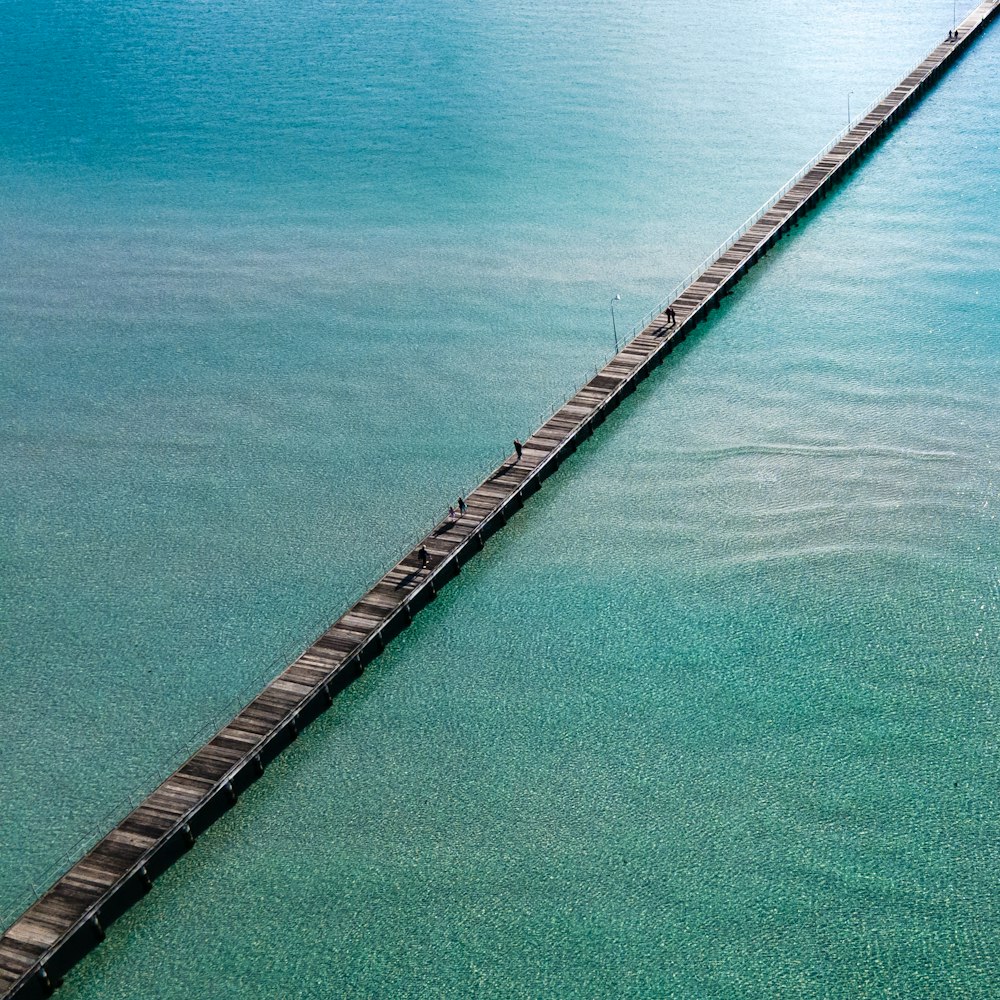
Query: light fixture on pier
(614,326)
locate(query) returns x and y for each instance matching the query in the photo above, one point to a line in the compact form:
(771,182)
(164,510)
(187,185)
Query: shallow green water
(280,281)
(715,715)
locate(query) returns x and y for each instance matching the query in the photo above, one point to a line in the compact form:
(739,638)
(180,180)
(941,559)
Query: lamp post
(614,326)
(849,108)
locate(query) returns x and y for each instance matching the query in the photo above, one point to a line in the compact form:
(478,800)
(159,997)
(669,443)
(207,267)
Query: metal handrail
(754,218)
(40,884)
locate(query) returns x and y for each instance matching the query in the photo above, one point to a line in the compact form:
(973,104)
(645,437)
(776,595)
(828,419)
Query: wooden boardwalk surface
(68,920)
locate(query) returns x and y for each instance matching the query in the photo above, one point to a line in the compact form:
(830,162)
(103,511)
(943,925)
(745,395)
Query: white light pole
(849,93)
(614,326)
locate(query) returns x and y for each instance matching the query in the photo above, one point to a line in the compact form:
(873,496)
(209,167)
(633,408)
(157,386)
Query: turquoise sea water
(714,717)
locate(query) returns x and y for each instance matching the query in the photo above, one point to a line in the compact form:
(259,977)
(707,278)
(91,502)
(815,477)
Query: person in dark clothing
(518,447)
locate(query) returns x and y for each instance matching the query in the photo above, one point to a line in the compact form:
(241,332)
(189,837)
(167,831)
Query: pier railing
(41,881)
(752,219)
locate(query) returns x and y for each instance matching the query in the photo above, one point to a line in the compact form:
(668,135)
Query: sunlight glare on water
(714,716)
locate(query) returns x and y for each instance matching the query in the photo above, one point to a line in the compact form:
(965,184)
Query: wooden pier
(70,917)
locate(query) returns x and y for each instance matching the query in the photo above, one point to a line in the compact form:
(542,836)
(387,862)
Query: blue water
(714,716)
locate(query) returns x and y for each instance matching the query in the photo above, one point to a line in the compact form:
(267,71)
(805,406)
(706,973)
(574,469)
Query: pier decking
(70,917)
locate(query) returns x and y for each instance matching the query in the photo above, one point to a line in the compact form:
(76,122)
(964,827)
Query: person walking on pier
(423,556)
(518,447)
(462,506)
(451,513)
